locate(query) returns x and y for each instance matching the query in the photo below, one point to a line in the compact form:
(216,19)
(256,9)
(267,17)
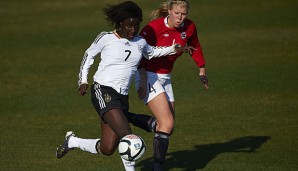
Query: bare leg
(159,106)
(113,130)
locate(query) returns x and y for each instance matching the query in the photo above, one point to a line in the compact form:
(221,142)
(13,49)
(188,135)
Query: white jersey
(120,58)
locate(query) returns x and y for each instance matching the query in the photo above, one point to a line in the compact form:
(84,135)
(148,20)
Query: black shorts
(105,98)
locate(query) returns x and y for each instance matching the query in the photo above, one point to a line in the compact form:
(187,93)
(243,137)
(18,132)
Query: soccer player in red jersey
(154,80)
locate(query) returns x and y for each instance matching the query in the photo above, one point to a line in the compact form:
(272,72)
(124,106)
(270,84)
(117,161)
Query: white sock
(88,145)
(129,165)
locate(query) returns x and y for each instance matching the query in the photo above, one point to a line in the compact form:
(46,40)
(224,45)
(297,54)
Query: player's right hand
(83,89)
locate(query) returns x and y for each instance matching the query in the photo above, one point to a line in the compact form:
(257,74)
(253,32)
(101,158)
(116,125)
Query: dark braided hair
(115,14)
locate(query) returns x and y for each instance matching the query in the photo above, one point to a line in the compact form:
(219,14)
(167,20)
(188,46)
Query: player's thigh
(161,109)
(109,139)
(113,127)
(117,121)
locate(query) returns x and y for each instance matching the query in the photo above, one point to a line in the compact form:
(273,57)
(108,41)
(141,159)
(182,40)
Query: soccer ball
(131,147)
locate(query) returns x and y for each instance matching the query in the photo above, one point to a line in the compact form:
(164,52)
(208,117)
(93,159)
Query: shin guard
(161,144)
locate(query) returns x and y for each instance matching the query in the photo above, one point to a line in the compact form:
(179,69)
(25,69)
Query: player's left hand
(204,80)
(186,49)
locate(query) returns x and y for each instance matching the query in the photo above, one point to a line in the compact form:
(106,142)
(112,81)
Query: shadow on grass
(201,155)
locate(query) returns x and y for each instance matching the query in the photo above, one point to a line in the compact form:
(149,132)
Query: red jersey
(158,33)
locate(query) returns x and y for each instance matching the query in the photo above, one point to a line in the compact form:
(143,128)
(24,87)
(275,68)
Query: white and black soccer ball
(131,147)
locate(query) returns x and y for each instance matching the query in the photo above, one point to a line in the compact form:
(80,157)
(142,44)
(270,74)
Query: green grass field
(248,120)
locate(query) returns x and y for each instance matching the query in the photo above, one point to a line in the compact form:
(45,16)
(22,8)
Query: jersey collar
(116,34)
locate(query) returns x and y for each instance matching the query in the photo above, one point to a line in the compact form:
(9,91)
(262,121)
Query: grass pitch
(246,121)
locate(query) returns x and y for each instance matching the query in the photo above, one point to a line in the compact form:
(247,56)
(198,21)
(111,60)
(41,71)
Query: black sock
(161,144)
(145,122)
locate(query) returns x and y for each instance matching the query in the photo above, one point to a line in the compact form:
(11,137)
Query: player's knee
(171,128)
(171,131)
(107,150)
(166,126)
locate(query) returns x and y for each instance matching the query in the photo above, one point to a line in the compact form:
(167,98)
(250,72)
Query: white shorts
(157,84)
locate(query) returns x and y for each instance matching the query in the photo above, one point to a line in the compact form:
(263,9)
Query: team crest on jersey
(127,43)
(166,35)
(183,35)
(107,98)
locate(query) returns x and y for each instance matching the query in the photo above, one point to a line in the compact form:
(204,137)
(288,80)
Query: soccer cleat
(63,149)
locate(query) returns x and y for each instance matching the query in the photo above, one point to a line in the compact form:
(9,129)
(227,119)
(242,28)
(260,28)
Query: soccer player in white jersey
(121,51)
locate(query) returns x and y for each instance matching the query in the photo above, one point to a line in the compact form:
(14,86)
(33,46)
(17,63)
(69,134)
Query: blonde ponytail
(162,11)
